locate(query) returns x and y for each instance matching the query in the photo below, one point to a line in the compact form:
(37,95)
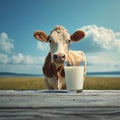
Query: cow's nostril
(63,56)
(55,57)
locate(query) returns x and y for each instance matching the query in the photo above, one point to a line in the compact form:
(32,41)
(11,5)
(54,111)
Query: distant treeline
(10,74)
(91,74)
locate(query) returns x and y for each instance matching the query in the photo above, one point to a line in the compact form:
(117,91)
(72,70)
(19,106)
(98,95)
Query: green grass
(93,83)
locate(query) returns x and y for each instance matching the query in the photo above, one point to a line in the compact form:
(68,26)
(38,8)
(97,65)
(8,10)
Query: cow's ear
(40,35)
(78,35)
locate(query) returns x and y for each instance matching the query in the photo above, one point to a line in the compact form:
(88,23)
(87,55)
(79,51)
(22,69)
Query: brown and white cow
(59,40)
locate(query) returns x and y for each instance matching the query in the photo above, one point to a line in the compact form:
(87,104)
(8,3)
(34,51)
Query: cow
(59,40)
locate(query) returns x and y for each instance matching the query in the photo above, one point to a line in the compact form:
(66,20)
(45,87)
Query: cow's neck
(57,65)
(58,68)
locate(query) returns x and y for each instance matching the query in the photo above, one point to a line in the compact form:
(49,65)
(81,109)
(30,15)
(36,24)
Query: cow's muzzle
(59,58)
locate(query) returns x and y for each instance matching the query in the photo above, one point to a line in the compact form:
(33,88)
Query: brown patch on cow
(50,69)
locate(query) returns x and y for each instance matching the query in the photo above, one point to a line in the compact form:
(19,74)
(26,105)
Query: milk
(74,77)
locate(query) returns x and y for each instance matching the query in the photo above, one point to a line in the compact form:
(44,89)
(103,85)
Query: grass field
(93,83)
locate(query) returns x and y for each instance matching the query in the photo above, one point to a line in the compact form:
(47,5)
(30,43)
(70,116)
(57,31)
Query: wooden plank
(61,113)
(45,98)
(90,104)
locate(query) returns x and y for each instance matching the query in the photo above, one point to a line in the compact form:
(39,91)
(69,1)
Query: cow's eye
(68,41)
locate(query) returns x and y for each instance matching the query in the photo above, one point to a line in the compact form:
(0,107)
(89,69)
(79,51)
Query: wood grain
(60,105)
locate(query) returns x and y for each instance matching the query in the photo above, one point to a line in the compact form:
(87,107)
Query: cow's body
(53,68)
(55,75)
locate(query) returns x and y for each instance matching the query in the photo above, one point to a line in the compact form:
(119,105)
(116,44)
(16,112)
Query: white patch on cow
(58,42)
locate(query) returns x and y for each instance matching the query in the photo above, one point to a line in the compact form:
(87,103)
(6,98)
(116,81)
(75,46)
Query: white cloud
(103,62)
(103,59)
(6,45)
(19,62)
(21,59)
(4,36)
(29,60)
(101,38)
(17,59)
(43,46)
(3,58)
(102,46)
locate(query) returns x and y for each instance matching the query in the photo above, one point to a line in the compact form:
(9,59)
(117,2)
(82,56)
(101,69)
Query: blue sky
(19,19)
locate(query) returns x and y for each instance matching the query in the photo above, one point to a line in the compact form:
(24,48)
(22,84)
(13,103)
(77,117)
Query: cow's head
(59,40)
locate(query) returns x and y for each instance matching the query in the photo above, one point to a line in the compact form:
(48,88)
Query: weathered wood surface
(60,105)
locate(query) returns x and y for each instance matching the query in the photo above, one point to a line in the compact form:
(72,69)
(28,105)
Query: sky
(20,52)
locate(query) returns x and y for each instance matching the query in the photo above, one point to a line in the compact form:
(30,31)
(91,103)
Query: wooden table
(60,105)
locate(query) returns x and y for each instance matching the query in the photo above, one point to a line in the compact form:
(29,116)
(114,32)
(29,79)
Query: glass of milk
(74,76)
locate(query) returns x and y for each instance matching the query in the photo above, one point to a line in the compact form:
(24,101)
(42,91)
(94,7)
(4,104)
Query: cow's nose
(60,57)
